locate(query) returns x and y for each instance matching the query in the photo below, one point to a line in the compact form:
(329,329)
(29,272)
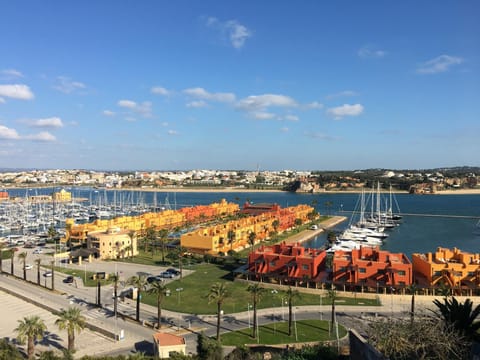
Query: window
(272,263)
(401,272)
(362,270)
(304,267)
(437,273)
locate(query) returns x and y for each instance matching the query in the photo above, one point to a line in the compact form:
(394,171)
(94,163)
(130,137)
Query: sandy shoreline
(243,190)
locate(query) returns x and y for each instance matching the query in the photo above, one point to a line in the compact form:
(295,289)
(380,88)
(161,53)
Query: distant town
(413,181)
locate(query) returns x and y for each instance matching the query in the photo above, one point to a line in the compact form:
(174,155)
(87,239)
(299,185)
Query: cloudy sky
(306,85)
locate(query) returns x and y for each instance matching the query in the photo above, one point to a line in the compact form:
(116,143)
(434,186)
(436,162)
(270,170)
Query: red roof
(164,339)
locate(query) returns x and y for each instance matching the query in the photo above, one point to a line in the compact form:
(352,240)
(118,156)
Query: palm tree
(462,316)
(163,234)
(52,263)
(12,256)
(218,293)
(257,292)
(23,259)
(2,245)
(292,294)
(30,328)
(251,240)
(131,235)
(71,320)
(231,238)
(275,224)
(38,263)
(332,294)
(413,289)
(140,282)
(160,290)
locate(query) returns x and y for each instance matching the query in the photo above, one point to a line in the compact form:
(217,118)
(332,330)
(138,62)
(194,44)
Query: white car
(37,251)
(28,267)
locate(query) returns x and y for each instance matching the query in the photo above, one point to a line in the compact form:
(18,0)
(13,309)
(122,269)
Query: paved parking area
(14,309)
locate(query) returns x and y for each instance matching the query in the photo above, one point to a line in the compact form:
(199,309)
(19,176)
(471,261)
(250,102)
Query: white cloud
(314,105)
(8,134)
(370,52)
(440,64)
(260,102)
(2,101)
(236,33)
(11,73)
(66,85)
(201,93)
(16,91)
(172,132)
(158,90)
(43,136)
(53,122)
(291,117)
(346,110)
(284,129)
(197,104)
(108,113)
(144,108)
(261,115)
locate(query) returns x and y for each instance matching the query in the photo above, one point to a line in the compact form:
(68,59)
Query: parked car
(173,271)
(68,280)
(47,274)
(167,275)
(28,267)
(37,251)
(152,279)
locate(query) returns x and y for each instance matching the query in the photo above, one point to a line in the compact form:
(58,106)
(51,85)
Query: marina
(428,221)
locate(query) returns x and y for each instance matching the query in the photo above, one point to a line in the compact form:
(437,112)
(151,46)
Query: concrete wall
(361,350)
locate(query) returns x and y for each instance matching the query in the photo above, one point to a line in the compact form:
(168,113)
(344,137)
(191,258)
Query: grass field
(193,289)
(277,333)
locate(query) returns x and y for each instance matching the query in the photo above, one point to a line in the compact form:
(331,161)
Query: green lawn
(277,333)
(195,287)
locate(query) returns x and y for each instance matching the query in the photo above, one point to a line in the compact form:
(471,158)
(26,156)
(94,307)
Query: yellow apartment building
(113,243)
(62,196)
(215,239)
(454,268)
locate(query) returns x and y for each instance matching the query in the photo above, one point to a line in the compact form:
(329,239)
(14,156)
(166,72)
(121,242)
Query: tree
(52,263)
(257,292)
(71,320)
(163,235)
(332,295)
(231,238)
(462,316)
(150,238)
(218,293)
(275,224)
(298,222)
(423,339)
(31,329)
(131,235)
(160,291)
(140,282)
(23,259)
(12,257)
(251,240)
(208,349)
(8,351)
(51,232)
(2,245)
(292,294)
(413,289)
(38,262)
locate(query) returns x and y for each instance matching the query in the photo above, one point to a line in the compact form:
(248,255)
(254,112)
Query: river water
(415,234)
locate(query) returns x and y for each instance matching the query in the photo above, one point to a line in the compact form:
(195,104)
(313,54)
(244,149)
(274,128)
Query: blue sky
(305,85)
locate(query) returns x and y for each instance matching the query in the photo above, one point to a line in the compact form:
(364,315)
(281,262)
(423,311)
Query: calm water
(416,234)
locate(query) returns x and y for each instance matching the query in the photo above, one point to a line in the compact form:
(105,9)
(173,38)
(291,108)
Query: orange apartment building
(286,263)
(215,239)
(371,267)
(365,267)
(452,268)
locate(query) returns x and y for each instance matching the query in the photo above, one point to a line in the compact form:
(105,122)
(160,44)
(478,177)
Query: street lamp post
(248,311)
